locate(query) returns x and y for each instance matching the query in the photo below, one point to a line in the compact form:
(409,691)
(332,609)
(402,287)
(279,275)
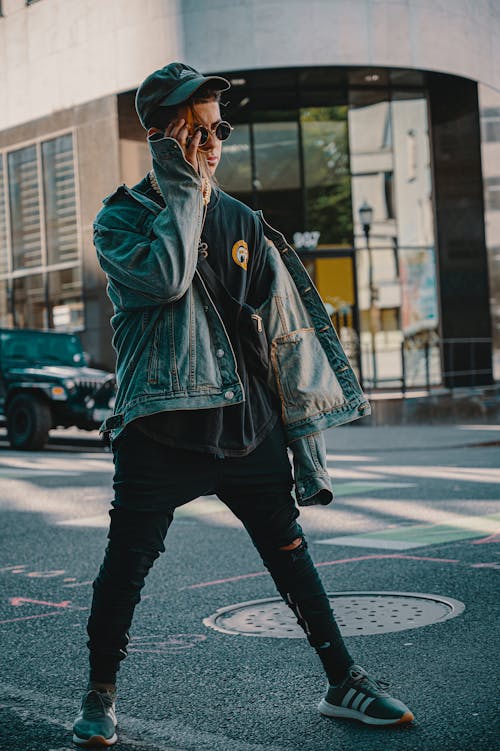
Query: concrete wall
(55,54)
(451,36)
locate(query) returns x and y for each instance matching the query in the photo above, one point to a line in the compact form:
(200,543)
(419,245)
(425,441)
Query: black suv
(45,383)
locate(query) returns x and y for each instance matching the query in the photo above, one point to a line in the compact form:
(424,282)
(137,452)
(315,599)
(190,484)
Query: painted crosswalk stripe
(200,507)
(420,535)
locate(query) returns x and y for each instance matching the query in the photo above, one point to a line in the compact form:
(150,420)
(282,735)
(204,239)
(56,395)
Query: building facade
(357,130)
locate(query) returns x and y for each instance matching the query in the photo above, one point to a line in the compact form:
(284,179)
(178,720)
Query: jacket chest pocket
(306,382)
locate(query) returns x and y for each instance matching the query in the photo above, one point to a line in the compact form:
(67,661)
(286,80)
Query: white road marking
(200,507)
(358,541)
(175,732)
(458,474)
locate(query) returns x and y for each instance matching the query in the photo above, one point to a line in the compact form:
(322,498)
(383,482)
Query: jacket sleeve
(312,481)
(152,261)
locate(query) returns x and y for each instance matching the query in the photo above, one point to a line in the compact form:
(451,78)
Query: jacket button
(229,395)
(220,353)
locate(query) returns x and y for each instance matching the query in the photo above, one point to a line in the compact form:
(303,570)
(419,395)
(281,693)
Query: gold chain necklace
(206,188)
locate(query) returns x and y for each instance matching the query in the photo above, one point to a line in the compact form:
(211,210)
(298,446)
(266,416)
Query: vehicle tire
(29,420)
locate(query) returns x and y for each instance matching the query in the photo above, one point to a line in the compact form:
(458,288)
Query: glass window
(372,169)
(276,156)
(29,302)
(489,101)
(235,169)
(276,179)
(326,174)
(5,317)
(492,193)
(490,121)
(48,348)
(4,260)
(24,208)
(41,174)
(60,200)
(65,299)
(390,165)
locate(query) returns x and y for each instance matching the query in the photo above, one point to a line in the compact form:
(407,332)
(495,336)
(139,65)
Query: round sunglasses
(222,131)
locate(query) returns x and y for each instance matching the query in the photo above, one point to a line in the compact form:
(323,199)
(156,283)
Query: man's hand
(178,129)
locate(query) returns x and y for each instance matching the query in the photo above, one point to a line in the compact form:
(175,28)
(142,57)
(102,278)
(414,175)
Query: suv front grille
(87,387)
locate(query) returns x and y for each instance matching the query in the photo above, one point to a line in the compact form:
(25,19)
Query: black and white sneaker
(359,697)
(95,724)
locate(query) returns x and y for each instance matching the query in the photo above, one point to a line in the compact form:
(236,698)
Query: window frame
(44,268)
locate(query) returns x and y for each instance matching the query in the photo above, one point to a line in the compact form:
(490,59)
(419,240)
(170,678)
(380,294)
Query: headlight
(69,384)
(58,392)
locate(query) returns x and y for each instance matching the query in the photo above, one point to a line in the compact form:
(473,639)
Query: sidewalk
(363,435)
(479,404)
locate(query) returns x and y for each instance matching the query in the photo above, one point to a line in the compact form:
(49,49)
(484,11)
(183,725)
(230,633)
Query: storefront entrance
(334,274)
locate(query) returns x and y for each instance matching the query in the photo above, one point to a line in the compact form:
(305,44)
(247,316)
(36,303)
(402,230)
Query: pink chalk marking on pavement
(82,584)
(377,556)
(17,601)
(426,558)
(59,611)
(46,574)
(13,569)
(495,537)
(223,581)
(29,617)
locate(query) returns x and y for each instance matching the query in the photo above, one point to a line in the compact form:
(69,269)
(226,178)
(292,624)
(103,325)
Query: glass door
(334,274)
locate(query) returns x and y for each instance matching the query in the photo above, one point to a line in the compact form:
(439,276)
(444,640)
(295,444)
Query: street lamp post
(366,218)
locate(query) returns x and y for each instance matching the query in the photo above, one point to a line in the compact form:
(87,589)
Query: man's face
(207,114)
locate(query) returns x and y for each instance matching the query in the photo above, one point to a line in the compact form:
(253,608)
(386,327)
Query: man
(225,354)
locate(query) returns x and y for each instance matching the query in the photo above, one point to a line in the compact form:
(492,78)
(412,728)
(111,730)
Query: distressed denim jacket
(173,350)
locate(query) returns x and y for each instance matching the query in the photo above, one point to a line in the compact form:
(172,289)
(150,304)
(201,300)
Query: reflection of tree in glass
(235,171)
(327,178)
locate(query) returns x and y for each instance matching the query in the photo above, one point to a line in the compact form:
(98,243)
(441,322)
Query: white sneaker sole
(330,710)
(95,740)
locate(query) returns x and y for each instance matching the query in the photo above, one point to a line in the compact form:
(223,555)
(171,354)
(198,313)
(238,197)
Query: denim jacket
(173,350)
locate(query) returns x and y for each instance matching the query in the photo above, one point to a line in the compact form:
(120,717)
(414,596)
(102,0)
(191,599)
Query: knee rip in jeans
(293,545)
(295,549)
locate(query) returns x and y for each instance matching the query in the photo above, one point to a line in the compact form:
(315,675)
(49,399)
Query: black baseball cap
(169,86)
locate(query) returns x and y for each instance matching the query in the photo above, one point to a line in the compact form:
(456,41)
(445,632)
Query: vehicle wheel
(29,420)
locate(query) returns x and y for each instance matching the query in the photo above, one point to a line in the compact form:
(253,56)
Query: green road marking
(419,535)
(28,474)
(355,488)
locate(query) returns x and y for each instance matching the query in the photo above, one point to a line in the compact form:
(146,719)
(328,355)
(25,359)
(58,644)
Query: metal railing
(450,363)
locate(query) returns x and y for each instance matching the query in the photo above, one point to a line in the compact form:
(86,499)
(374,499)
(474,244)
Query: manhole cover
(357,613)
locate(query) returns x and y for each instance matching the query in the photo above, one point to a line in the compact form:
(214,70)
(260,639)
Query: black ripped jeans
(151,481)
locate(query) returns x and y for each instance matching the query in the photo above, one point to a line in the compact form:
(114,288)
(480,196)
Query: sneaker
(359,697)
(95,724)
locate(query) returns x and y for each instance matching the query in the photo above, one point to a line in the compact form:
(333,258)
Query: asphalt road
(414,513)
